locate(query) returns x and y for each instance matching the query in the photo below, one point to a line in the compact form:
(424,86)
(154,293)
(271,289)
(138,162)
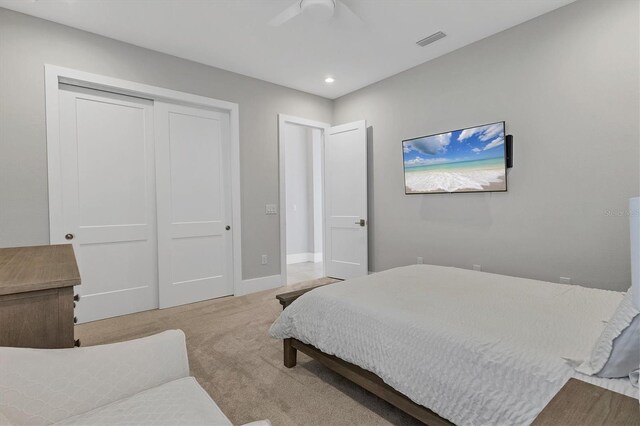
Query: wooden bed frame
(357,375)
(577,403)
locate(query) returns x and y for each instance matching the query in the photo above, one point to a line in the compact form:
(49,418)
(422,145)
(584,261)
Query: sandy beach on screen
(455,180)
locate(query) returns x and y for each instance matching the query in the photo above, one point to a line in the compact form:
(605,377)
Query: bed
(462,346)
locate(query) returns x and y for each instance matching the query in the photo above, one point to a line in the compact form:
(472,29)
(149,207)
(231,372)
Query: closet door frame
(54,75)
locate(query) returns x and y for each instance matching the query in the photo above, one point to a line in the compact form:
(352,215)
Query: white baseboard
(304,257)
(258,284)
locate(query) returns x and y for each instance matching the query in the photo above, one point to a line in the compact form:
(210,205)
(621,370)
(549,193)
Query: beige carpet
(235,360)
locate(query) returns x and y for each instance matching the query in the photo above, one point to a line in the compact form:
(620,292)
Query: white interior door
(108,200)
(194,204)
(345,171)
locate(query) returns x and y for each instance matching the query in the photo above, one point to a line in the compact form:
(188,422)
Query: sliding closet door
(194,206)
(108,200)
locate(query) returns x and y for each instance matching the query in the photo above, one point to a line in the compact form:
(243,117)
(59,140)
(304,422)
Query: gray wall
(316,153)
(567,84)
(27,43)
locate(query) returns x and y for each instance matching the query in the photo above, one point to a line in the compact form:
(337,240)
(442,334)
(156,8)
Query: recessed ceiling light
(329,80)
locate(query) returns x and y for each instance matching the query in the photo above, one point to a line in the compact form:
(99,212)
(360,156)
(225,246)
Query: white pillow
(634,376)
(625,354)
(618,324)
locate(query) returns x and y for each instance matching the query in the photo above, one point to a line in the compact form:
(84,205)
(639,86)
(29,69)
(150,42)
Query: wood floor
(235,360)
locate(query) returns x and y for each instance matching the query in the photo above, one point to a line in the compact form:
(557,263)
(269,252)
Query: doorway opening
(301,199)
(303,186)
(336,229)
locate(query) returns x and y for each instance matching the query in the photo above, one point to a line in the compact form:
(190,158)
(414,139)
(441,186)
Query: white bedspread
(474,347)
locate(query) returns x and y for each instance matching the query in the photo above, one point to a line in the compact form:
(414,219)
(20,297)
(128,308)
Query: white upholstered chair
(144,381)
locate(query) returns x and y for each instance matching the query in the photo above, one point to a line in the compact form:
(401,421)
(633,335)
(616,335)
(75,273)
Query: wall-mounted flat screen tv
(466,160)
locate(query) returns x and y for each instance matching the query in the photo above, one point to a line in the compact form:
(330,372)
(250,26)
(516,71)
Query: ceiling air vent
(433,37)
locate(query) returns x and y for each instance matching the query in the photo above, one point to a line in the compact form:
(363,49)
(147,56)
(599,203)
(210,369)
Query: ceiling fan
(318,10)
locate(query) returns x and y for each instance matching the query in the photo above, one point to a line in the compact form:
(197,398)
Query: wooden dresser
(36,296)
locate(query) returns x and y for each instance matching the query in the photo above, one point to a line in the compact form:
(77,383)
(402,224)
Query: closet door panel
(196,178)
(193,204)
(108,200)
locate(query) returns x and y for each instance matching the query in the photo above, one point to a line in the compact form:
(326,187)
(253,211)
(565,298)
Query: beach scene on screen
(462,161)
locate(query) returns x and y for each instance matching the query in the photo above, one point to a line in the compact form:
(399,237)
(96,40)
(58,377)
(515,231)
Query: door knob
(68,237)
(361,222)
(227,227)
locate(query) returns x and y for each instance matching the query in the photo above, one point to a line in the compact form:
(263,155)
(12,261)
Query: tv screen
(466,160)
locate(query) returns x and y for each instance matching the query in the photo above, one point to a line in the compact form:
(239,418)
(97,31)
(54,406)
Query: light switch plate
(270,209)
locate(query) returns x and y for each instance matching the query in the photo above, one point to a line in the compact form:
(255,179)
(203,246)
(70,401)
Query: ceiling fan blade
(287,14)
(346,16)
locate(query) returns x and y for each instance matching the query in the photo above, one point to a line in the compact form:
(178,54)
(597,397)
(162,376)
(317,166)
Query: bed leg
(290,354)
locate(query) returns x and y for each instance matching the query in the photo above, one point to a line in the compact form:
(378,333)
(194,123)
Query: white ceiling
(234,34)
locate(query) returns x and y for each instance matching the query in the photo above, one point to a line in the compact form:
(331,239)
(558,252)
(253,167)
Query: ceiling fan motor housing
(318,10)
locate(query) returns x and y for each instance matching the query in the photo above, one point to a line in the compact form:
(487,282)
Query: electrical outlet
(265,259)
(565,280)
(477,267)
(420,261)
(270,209)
